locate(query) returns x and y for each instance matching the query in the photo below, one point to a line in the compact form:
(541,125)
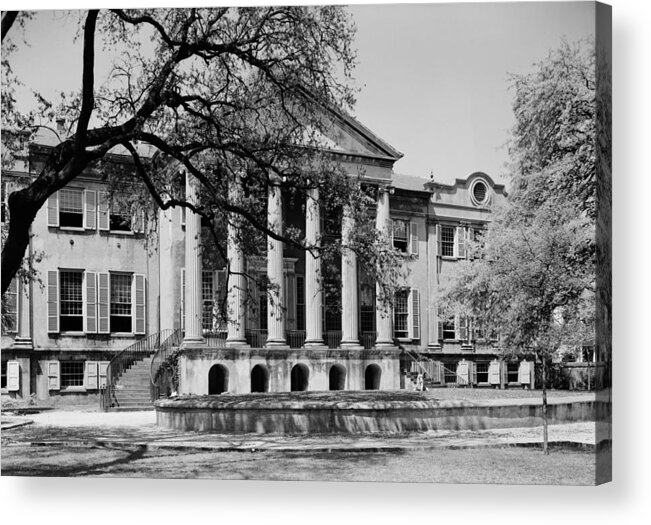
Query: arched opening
(337,377)
(300,376)
(217,379)
(372,377)
(260,379)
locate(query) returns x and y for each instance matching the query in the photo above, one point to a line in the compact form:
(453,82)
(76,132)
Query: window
(512,372)
(401,314)
(482,372)
(121,302)
(71,302)
(119,216)
(10,308)
(449,329)
(447,241)
(332,304)
(262,303)
(479,193)
(3,376)
(71,208)
(208,301)
(71,374)
(401,235)
(300,302)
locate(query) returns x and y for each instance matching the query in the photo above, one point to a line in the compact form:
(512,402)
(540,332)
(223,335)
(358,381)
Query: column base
(385,346)
(434,347)
(350,345)
(277,345)
(193,341)
(237,343)
(315,345)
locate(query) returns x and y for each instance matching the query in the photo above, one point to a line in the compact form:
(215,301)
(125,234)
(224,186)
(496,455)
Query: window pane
(71,301)
(121,302)
(447,241)
(72,373)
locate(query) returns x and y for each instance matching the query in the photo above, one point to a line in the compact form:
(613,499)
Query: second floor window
(121,302)
(401,235)
(72,304)
(401,314)
(119,217)
(447,241)
(208,298)
(71,208)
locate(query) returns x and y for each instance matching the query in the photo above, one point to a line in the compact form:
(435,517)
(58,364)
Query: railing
(125,359)
(170,340)
(332,338)
(296,338)
(367,339)
(216,339)
(256,338)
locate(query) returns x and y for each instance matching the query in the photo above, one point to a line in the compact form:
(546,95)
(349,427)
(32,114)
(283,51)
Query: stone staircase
(132,390)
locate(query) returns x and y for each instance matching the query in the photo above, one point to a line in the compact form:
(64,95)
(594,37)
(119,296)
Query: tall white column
(276,291)
(193,332)
(236,277)
(383,313)
(349,301)
(313,285)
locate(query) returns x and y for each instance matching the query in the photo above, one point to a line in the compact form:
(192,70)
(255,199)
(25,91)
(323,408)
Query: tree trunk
(544,405)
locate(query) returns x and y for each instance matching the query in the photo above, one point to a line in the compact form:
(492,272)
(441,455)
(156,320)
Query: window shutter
(91,381)
(473,372)
(103,210)
(439,244)
(462,372)
(463,329)
(90,319)
(103,300)
(182,298)
(414,238)
(524,373)
(102,367)
(53,301)
(13,376)
(53,375)
(440,328)
(139,304)
(90,210)
(494,372)
(415,311)
(53,210)
(457,328)
(138,221)
(461,242)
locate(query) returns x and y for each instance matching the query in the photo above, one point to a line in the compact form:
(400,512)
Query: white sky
(433,77)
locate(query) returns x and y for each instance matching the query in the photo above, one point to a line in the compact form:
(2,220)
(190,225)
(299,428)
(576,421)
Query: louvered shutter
(440,328)
(463,372)
(413,226)
(91,381)
(53,301)
(139,304)
(415,314)
(461,242)
(494,373)
(103,303)
(90,210)
(463,329)
(53,210)
(13,376)
(103,210)
(53,375)
(524,373)
(102,367)
(90,319)
(182,298)
(439,243)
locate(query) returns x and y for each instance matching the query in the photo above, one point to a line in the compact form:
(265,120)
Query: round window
(479,192)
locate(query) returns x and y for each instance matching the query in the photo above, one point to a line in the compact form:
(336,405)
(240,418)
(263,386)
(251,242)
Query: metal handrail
(124,359)
(172,339)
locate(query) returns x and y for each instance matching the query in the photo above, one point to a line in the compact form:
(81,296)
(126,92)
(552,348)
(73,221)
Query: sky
(433,78)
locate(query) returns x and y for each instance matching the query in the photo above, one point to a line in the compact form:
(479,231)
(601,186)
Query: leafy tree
(534,280)
(223,94)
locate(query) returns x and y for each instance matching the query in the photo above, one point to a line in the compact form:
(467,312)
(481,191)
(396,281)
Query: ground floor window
(3,377)
(72,374)
(482,372)
(512,372)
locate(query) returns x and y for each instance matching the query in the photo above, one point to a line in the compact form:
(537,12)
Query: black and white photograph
(308,243)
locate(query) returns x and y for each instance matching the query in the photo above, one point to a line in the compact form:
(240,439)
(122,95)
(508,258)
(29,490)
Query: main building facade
(107,284)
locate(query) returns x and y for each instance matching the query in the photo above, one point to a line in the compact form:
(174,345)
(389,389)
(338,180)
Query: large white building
(109,285)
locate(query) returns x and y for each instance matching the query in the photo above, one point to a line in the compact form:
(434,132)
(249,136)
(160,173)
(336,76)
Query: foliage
(227,95)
